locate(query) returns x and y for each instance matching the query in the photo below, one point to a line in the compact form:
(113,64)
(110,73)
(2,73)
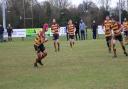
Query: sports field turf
(87,66)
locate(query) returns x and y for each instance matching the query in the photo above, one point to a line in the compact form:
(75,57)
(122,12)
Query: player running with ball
(39,46)
(71,31)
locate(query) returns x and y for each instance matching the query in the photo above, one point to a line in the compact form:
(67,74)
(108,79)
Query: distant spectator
(10,31)
(1,33)
(82,28)
(77,33)
(94,29)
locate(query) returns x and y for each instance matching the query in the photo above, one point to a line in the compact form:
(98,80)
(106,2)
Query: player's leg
(55,42)
(113,46)
(58,43)
(120,38)
(123,47)
(70,41)
(73,40)
(37,54)
(42,55)
(55,46)
(108,41)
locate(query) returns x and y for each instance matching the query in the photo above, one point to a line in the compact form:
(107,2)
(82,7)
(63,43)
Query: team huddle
(113,32)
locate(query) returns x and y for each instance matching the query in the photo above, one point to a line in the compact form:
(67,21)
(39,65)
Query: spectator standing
(94,29)
(1,33)
(82,28)
(77,33)
(9,31)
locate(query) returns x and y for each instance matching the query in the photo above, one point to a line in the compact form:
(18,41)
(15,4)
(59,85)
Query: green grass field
(87,66)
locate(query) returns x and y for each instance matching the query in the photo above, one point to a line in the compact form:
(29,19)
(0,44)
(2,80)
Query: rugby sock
(71,44)
(115,55)
(124,48)
(124,51)
(108,44)
(55,46)
(35,64)
(58,46)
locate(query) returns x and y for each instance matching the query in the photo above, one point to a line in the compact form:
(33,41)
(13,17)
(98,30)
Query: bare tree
(60,3)
(105,4)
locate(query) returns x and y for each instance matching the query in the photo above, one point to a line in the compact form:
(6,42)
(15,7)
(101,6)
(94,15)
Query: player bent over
(116,28)
(55,30)
(71,31)
(40,48)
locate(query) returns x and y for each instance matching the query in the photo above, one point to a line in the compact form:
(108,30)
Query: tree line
(31,13)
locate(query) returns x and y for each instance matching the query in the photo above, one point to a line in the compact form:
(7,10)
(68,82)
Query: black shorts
(71,36)
(119,38)
(10,34)
(126,33)
(108,38)
(55,36)
(39,48)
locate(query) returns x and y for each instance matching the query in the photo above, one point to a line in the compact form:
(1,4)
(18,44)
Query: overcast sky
(77,2)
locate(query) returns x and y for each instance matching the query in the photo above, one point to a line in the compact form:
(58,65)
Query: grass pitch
(87,66)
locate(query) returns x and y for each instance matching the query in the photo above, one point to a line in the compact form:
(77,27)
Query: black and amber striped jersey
(40,39)
(107,26)
(116,28)
(71,29)
(55,28)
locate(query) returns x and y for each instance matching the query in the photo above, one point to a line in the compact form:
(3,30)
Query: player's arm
(120,27)
(74,28)
(58,28)
(67,29)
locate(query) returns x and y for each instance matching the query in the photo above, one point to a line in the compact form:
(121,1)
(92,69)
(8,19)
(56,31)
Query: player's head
(45,27)
(70,21)
(107,18)
(54,20)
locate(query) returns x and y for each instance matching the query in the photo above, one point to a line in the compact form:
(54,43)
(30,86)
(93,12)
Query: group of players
(112,28)
(113,32)
(40,40)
